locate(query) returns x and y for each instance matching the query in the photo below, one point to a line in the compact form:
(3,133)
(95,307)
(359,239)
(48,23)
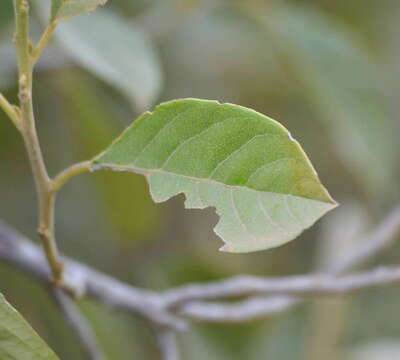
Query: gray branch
(328,282)
(313,284)
(22,253)
(166,311)
(378,240)
(239,312)
(167,343)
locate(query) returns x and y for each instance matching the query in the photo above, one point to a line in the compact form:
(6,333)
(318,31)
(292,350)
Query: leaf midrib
(143,171)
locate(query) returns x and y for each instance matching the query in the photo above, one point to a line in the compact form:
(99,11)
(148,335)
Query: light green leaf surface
(244,164)
(62,10)
(117,52)
(18,341)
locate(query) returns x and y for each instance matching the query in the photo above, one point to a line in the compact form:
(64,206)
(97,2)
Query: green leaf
(18,341)
(117,52)
(244,164)
(62,10)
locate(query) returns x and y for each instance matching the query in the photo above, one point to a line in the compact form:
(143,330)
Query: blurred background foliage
(329,71)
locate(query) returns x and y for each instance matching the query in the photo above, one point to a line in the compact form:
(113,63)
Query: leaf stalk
(43,42)
(64,176)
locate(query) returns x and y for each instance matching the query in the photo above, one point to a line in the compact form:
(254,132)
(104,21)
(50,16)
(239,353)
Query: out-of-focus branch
(44,40)
(166,341)
(79,324)
(378,240)
(239,312)
(19,252)
(10,111)
(268,295)
(313,284)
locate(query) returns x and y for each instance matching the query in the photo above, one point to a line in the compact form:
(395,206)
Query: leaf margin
(58,6)
(98,165)
(6,308)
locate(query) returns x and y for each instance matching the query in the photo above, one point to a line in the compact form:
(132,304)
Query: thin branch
(46,197)
(165,309)
(10,111)
(18,251)
(378,240)
(79,324)
(43,42)
(304,285)
(238,312)
(167,343)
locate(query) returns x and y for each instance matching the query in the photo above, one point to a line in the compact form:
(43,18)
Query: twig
(10,111)
(79,324)
(44,40)
(46,197)
(239,312)
(165,309)
(379,239)
(19,252)
(304,285)
(167,343)
(310,284)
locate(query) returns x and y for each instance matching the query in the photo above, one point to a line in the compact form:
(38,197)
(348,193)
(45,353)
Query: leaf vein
(169,123)
(199,134)
(237,213)
(268,216)
(240,148)
(265,165)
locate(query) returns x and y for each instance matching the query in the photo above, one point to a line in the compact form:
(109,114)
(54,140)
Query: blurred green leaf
(339,80)
(248,166)
(6,15)
(18,341)
(117,52)
(62,10)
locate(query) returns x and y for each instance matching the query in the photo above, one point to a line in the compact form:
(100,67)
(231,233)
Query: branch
(239,312)
(165,310)
(10,111)
(79,324)
(304,285)
(18,251)
(379,239)
(44,40)
(46,197)
(166,340)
